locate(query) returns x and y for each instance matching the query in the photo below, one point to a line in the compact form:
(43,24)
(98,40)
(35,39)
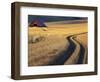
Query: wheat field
(47,44)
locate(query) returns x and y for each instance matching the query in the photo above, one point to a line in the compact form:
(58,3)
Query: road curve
(73,55)
(79,54)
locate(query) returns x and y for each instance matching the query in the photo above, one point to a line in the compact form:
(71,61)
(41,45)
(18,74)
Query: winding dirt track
(75,54)
(78,56)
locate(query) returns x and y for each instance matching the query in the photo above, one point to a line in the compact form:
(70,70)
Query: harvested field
(57,44)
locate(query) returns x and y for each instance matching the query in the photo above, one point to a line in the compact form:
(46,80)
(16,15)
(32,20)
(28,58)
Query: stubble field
(57,44)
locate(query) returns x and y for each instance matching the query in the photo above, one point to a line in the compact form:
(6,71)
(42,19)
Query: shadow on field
(81,55)
(64,55)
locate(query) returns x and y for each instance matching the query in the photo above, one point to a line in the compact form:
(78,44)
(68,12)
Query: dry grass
(54,42)
(83,39)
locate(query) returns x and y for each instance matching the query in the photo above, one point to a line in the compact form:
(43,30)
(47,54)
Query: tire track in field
(83,51)
(73,55)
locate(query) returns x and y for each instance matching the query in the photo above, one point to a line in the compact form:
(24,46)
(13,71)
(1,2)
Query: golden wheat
(54,41)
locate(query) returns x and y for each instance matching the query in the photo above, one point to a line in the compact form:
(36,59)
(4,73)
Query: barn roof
(37,23)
